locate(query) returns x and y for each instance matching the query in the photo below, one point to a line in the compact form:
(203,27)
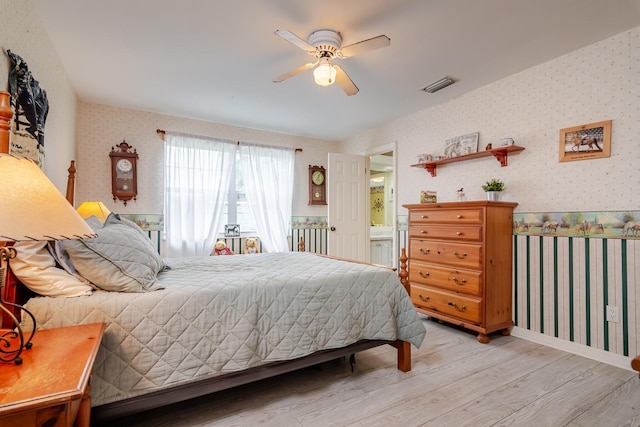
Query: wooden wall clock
(317,185)
(124,172)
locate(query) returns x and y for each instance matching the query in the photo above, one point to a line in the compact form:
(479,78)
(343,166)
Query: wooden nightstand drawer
(465,255)
(450,303)
(454,232)
(466,281)
(459,216)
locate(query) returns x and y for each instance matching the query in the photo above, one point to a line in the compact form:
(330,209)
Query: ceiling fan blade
(364,46)
(292,38)
(345,81)
(295,71)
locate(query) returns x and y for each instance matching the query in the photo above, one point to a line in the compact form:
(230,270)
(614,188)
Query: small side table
(51,386)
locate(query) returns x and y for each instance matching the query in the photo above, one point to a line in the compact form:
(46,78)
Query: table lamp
(31,209)
(93,208)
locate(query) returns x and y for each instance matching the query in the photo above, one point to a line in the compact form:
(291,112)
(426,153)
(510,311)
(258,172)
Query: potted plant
(493,188)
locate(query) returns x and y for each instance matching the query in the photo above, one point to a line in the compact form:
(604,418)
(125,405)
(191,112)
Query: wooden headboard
(14,291)
(5,120)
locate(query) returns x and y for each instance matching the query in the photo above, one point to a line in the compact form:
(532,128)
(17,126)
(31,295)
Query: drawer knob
(459,216)
(459,282)
(458,233)
(454,305)
(423,231)
(424,216)
(423,298)
(425,275)
(460,255)
(424,251)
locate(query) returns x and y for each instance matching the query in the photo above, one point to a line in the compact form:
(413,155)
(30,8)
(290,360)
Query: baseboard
(575,348)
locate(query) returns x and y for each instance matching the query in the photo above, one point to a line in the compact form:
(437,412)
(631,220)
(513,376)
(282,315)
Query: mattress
(218,315)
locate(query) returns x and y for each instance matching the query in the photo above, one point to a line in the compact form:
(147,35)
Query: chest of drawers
(460,263)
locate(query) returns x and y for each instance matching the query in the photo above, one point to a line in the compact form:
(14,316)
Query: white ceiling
(214,60)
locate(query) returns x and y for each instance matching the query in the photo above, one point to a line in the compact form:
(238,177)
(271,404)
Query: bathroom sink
(380,232)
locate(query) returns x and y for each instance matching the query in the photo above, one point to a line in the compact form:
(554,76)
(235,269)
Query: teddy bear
(220,248)
(251,245)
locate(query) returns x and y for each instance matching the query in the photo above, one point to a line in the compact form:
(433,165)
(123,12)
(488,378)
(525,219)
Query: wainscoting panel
(563,285)
(313,239)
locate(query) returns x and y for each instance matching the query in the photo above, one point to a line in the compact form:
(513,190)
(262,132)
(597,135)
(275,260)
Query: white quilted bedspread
(223,314)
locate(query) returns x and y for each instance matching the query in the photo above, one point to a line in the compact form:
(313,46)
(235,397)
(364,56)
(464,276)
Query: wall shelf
(500,154)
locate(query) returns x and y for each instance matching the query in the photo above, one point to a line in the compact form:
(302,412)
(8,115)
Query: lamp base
(12,341)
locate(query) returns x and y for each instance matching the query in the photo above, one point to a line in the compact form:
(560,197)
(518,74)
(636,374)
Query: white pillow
(36,268)
(121,259)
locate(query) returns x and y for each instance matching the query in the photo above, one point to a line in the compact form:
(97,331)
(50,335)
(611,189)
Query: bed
(204,324)
(218,316)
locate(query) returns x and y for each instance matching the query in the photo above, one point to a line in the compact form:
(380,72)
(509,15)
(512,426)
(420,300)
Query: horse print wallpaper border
(595,224)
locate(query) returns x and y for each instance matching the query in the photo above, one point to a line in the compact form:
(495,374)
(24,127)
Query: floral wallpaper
(100,127)
(597,83)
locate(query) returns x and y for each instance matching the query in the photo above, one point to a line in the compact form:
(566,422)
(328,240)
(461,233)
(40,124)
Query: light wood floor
(455,381)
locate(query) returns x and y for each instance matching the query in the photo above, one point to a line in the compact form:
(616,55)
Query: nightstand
(51,386)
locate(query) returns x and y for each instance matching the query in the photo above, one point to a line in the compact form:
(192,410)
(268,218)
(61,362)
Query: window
(211,182)
(236,206)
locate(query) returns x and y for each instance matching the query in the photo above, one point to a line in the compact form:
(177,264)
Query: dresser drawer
(455,232)
(460,254)
(462,306)
(460,216)
(466,281)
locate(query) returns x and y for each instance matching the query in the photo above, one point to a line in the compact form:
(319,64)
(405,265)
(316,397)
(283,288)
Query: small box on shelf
(427,196)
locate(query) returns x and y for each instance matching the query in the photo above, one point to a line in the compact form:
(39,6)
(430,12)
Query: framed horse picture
(585,142)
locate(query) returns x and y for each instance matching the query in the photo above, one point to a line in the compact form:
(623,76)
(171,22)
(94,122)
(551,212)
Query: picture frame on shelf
(232,230)
(461,145)
(585,142)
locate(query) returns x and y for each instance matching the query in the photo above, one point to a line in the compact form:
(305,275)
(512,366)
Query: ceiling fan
(325,46)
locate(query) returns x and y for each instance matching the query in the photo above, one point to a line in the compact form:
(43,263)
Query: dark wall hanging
(30,107)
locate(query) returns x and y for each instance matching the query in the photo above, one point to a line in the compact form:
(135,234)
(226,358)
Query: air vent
(440,84)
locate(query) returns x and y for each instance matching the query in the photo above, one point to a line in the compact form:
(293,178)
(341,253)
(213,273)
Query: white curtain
(268,175)
(197,175)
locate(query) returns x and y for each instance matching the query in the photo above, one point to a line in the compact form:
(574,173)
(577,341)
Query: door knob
(332,229)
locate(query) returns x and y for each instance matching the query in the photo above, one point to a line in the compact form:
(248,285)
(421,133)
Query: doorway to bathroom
(382,211)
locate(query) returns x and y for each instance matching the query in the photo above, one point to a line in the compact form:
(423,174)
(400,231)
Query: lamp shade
(32,208)
(93,208)
(324,74)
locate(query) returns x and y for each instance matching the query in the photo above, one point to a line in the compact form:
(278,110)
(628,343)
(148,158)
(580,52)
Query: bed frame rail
(219,383)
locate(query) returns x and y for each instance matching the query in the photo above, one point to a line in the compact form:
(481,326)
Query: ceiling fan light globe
(324,75)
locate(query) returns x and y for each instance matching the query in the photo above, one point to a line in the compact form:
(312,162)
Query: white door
(347,190)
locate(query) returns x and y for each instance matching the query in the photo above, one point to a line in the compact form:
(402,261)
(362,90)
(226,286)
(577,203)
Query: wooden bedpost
(5,126)
(71,182)
(403,347)
(404,272)
(5,120)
